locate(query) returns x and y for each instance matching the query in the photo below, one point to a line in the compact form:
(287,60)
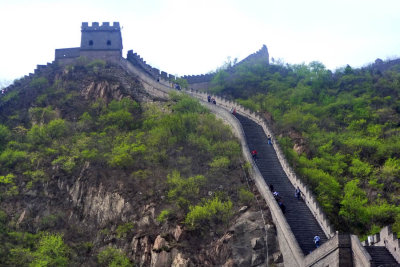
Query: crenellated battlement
(259,56)
(105,26)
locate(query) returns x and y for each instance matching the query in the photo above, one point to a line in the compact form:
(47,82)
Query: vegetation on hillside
(175,147)
(346,128)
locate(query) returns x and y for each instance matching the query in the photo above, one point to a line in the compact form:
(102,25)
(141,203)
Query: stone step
(381,256)
(303,224)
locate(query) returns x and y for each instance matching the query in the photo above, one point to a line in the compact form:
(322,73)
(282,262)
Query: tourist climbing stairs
(300,219)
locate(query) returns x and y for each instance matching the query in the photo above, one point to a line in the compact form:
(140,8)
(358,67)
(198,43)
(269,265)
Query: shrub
(123,154)
(220,163)
(213,212)
(245,196)
(164,215)
(51,251)
(56,129)
(124,229)
(9,158)
(113,257)
(183,190)
(37,135)
(4,136)
(65,162)
(96,65)
(39,83)
(49,221)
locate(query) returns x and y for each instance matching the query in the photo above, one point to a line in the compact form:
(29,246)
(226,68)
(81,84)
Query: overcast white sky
(196,36)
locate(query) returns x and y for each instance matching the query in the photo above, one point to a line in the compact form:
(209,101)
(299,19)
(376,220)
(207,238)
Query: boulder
(159,244)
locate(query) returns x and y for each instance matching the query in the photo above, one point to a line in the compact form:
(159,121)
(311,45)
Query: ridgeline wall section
(38,72)
(196,82)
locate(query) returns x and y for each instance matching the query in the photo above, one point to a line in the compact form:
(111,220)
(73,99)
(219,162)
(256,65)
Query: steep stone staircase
(381,256)
(300,219)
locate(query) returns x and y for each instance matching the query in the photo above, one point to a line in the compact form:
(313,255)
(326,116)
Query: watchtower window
(108,42)
(90,42)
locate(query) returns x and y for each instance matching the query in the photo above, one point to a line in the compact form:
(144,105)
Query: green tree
(184,190)
(5,134)
(51,251)
(353,205)
(112,257)
(212,213)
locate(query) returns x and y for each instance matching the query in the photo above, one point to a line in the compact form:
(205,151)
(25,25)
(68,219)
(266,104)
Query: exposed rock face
(179,261)
(102,89)
(300,149)
(248,248)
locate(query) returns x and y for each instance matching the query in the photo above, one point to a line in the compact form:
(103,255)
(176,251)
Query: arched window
(90,42)
(108,42)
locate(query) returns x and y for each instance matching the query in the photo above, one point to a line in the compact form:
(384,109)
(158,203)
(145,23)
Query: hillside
(94,171)
(339,130)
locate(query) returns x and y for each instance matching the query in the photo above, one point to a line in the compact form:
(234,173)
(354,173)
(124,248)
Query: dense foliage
(345,127)
(174,147)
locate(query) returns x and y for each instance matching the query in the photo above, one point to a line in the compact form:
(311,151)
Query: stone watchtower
(103,41)
(97,42)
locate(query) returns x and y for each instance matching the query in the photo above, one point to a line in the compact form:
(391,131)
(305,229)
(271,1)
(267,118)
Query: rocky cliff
(71,174)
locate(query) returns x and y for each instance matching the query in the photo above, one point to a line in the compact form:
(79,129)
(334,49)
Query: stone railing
(160,88)
(360,255)
(307,193)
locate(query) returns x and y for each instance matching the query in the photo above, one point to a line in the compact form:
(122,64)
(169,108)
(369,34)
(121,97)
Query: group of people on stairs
(277,196)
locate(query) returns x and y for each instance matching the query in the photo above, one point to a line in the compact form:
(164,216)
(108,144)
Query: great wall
(338,249)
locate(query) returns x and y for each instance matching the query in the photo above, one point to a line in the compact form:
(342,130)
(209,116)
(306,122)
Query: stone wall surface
(389,239)
(101,37)
(67,52)
(336,252)
(360,254)
(113,56)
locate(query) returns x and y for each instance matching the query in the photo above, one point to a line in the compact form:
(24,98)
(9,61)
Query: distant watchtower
(97,42)
(101,38)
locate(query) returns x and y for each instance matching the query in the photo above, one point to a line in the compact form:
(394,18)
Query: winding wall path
(303,219)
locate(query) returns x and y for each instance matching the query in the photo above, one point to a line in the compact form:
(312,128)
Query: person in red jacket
(254,153)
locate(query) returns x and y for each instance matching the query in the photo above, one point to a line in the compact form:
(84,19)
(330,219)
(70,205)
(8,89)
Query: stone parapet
(337,251)
(360,255)
(388,239)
